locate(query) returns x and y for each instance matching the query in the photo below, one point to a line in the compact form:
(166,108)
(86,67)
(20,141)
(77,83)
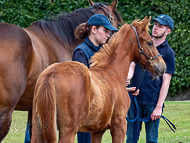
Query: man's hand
(156,114)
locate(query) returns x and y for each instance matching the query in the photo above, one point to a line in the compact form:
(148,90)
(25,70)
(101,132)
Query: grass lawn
(177,112)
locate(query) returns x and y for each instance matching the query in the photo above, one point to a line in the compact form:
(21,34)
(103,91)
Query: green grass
(18,127)
(177,112)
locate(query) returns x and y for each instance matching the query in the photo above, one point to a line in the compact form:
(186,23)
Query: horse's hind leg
(97,137)
(5,121)
(67,127)
(7,105)
(8,102)
(118,130)
(67,135)
(69,119)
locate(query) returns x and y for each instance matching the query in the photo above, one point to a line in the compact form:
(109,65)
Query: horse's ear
(144,19)
(91,2)
(144,23)
(114,4)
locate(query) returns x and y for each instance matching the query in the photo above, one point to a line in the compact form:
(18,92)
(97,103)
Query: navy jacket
(85,51)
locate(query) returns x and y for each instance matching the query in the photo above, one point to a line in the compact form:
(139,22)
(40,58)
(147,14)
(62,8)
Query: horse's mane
(109,48)
(63,28)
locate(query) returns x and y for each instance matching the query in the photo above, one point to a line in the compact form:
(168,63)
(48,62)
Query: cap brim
(110,27)
(160,21)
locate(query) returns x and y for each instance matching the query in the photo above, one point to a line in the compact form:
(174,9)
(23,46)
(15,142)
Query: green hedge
(23,13)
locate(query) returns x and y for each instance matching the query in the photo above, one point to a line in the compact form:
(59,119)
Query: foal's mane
(64,25)
(106,51)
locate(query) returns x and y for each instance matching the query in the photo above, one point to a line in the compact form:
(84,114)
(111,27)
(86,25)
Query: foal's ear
(114,4)
(144,19)
(91,2)
(144,23)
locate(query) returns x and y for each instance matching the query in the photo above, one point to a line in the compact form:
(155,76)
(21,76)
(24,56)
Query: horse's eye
(149,43)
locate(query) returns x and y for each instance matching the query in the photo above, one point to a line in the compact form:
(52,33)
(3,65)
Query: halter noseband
(109,15)
(142,52)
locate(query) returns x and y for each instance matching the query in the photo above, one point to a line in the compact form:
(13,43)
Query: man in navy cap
(153,92)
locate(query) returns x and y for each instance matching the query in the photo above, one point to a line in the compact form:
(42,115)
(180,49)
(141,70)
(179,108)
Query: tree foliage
(24,12)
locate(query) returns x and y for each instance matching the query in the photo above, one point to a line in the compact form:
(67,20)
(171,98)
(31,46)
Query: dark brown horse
(25,53)
(70,97)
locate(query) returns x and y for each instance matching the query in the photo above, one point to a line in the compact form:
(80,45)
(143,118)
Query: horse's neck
(120,64)
(122,67)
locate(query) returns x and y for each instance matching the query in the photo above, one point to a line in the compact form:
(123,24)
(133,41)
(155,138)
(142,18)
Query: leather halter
(109,15)
(142,52)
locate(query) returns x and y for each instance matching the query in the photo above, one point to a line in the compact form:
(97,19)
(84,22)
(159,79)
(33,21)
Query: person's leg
(130,125)
(151,127)
(83,137)
(27,135)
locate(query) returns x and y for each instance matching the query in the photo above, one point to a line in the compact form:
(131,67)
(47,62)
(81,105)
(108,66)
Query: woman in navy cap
(95,32)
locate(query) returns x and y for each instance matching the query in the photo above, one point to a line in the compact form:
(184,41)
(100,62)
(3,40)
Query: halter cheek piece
(142,52)
(109,15)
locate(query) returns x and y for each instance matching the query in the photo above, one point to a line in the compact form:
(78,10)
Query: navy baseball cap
(100,19)
(165,20)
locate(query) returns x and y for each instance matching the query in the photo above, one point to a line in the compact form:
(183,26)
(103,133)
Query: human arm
(162,96)
(131,70)
(130,75)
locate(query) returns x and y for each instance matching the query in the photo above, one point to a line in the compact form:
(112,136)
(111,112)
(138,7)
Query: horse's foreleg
(97,137)
(118,130)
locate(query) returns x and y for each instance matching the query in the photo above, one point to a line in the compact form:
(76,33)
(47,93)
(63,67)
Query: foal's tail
(45,105)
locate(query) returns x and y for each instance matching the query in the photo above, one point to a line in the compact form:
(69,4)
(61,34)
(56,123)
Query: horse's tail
(45,105)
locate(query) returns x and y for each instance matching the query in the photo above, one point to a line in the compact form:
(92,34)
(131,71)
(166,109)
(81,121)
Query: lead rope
(136,113)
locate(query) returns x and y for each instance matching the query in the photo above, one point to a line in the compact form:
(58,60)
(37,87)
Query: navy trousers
(83,137)
(27,135)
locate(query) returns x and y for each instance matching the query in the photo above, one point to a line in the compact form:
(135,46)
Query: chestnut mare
(25,53)
(70,97)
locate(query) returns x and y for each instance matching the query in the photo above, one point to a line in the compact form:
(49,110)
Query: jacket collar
(91,45)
